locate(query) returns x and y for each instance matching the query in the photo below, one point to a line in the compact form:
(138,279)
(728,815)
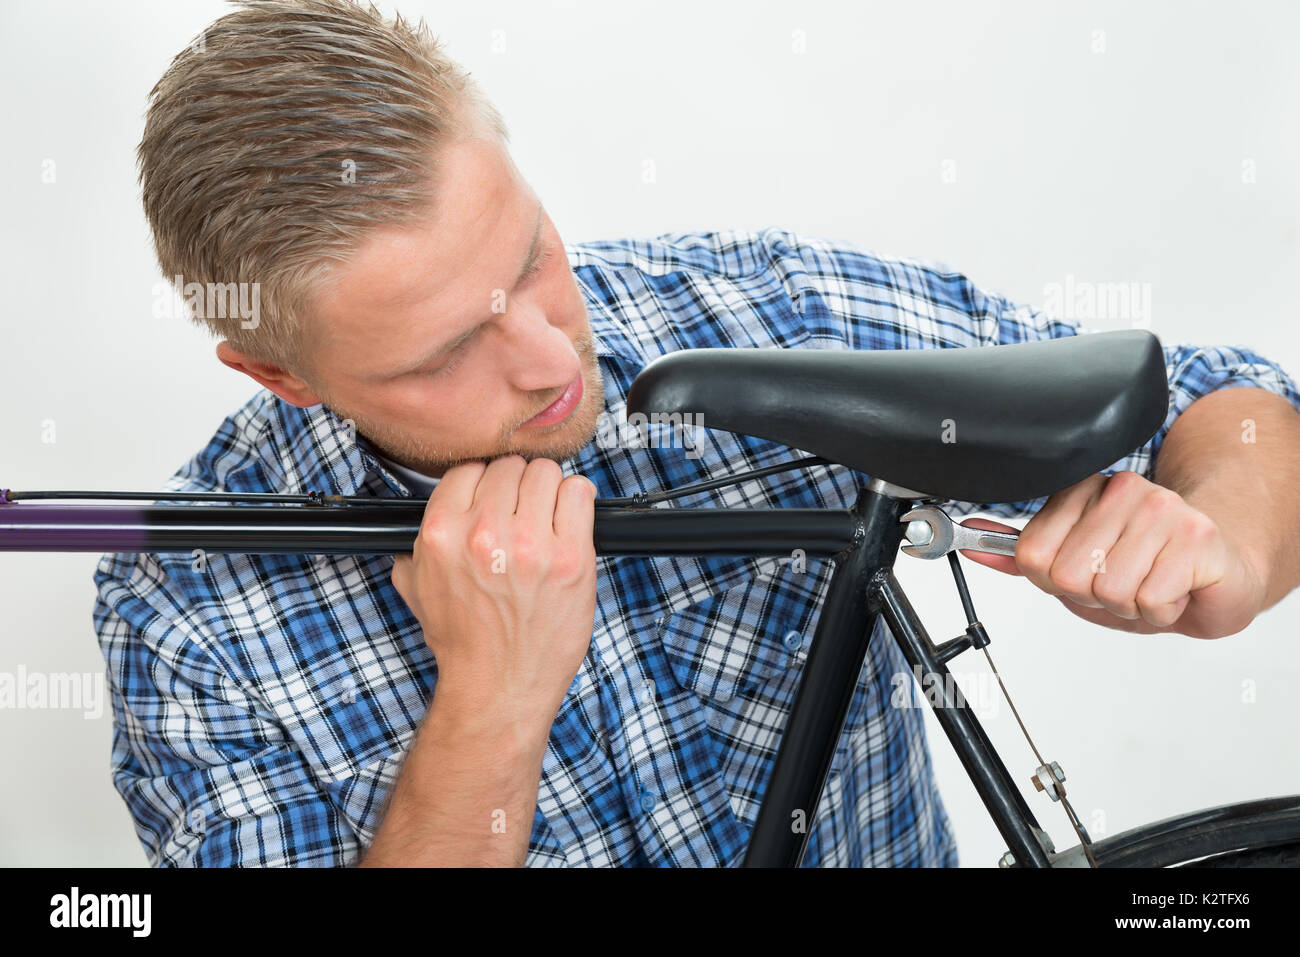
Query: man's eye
(538,263)
(459,352)
(451,363)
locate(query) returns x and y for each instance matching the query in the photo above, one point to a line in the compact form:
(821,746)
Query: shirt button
(647,801)
(793,641)
(646,691)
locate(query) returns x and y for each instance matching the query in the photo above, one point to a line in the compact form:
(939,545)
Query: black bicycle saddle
(979,424)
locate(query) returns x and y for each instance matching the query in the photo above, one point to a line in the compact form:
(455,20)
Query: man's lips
(560,409)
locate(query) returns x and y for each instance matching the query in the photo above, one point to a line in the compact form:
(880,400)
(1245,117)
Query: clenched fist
(1123,552)
(503,581)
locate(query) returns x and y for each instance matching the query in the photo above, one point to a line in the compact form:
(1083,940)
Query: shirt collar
(329,456)
(609,334)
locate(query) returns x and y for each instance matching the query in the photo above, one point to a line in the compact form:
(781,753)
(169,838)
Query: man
(503,695)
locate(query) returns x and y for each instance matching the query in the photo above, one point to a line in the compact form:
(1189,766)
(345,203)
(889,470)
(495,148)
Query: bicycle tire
(1263,833)
(1279,855)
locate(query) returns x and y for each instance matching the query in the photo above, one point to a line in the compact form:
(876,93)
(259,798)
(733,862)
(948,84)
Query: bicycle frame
(863,541)
(862,588)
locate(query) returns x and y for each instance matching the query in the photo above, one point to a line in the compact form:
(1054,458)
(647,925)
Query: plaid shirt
(263,705)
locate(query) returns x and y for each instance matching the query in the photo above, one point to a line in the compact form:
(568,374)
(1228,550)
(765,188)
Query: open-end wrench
(946,536)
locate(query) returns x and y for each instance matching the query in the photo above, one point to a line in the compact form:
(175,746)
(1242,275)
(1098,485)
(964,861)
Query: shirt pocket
(747,635)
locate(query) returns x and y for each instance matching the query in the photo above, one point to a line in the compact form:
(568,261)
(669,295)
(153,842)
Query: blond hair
(280,137)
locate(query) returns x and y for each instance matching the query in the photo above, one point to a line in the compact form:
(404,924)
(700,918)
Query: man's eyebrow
(529,260)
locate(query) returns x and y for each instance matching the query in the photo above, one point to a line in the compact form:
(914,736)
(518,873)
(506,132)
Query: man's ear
(284,384)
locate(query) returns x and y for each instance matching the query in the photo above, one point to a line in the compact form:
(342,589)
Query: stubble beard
(567,440)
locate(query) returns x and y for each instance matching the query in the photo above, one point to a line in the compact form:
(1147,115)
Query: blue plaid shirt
(263,705)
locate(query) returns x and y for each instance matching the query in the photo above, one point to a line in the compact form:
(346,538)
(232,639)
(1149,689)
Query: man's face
(434,346)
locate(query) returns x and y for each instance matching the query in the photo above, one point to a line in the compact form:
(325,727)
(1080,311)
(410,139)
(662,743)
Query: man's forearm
(467,792)
(1235,455)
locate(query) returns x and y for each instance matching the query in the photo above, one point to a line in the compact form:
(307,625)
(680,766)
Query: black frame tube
(1006,805)
(365,530)
(825,692)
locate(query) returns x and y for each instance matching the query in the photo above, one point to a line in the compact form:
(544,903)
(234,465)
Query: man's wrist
(476,718)
(1239,524)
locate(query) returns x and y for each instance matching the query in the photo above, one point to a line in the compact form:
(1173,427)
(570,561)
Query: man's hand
(502,578)
(1126,553)
(503,581)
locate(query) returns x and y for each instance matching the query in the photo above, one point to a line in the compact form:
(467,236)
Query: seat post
(825,692)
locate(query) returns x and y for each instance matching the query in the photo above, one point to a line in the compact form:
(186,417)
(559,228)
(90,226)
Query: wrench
(946,536)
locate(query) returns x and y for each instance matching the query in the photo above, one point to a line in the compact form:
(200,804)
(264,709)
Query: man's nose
(538,356)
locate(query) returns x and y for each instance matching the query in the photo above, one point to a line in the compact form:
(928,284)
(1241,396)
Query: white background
(1117,166)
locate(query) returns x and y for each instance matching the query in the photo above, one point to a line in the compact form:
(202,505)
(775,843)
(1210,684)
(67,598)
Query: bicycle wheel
(1264,833)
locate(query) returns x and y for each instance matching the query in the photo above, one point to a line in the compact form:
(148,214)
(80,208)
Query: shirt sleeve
(871,301)
(210,777)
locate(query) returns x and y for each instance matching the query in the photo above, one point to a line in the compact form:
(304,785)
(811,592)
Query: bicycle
(1094,398)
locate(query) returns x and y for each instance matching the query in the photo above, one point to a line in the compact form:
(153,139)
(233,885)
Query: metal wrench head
(941,532)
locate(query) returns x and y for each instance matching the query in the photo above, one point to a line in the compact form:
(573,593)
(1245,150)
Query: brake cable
(640,499)
(1055,785)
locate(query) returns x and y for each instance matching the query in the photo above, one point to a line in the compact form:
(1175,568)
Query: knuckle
(579,483)
(1199,527)
(435,530)
(544,467)
(482,542)
(565,566)
(460,468)
(1073,588)
(526,552)
(1160,500)
(1154,609)
(571,562)
(1070,579)
(1126,480)
(1112,592)
(1109,588)
(1032,558)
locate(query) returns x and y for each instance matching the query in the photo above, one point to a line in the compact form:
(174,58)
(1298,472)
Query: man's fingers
(1122,578)
(537,491)
(498,490)
(455,490)
(1047,531)
(574,515)
(1083,559)
(1163,594)
(1002,563)
(1100,616)
(401,575)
